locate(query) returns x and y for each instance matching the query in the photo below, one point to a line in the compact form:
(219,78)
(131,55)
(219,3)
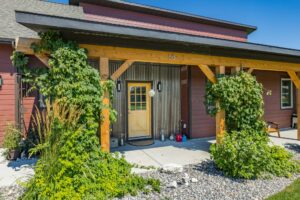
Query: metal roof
(43,22)
(167,13)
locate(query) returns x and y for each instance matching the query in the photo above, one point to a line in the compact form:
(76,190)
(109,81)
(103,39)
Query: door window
(138,98)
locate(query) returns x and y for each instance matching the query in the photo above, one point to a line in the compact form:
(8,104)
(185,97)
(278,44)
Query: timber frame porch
(205,62)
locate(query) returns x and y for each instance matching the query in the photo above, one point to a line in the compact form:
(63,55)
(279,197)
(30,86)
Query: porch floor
(191,152)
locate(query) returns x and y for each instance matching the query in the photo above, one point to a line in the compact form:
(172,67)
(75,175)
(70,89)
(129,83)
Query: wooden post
(220,116)
(105,126)
(295,78)
(298,113)
(250,70)
(235,70)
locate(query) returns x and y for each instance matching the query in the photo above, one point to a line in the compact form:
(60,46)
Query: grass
(292,192)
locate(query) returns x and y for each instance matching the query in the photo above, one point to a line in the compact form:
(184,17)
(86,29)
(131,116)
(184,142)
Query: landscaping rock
(172,184)
(172,168)
(214,185)
(186,179)
(194,180)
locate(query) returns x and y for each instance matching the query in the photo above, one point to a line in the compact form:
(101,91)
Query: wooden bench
(273,127)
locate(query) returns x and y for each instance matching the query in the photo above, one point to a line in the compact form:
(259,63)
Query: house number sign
(172,56)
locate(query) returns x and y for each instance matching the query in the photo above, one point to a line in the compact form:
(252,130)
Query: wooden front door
(139,110)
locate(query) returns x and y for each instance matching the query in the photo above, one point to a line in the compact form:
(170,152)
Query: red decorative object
(178,138)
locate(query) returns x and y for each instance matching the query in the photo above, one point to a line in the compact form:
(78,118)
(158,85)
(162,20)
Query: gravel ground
(11,174)
(213,185)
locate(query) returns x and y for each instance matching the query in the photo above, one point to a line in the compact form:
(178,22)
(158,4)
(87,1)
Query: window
(286,93)
(138,98)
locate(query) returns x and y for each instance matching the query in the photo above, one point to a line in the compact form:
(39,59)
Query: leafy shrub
(12,137)
(280,162)
(245,151)
(71,164)
(248,155)
(240,96)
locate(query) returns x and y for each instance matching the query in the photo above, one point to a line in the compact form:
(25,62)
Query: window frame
(291,95)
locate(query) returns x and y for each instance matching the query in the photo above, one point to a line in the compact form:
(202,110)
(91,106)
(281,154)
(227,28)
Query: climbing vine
(245,151)
(240,96)
(70,78)
(71,164)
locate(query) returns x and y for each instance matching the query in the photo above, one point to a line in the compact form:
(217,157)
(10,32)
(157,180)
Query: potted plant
(11,142)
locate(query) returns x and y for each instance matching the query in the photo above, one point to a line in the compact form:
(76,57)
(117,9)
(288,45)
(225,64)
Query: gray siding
(166,104)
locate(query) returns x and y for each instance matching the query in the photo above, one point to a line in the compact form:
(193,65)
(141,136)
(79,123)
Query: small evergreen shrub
(245,151)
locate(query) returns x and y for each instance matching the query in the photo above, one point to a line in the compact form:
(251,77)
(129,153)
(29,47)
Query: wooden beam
(168,57)
(24,45)
(121,69)
(220,116)
(143,55)
(294,77)
(208,73)
(250,70)
(105,125)
(44,59)
(104,68)
(298,113)
(235,70)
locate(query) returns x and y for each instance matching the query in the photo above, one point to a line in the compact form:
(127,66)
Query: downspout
(18,96)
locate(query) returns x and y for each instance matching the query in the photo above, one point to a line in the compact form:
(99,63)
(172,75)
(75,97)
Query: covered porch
(130,45)
(191,152)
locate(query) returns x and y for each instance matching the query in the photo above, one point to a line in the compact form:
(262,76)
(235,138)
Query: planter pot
(13,154)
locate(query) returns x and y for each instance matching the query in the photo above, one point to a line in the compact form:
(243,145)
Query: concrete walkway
(190,152)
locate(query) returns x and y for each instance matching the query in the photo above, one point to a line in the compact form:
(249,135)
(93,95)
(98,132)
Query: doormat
(141,142)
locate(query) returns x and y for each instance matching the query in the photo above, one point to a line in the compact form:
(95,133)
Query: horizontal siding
(154,22)
(8,90)
(273,111)
(202,124)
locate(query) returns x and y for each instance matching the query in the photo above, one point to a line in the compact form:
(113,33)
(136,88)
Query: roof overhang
(167,13)
(101,33)
(6,41)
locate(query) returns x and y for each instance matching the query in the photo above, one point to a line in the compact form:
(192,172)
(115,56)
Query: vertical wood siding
(8,90)
(166,104)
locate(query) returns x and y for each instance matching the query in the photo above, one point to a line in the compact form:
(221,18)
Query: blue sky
(278,21)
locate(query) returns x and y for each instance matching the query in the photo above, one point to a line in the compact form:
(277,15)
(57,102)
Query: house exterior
(160,60)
